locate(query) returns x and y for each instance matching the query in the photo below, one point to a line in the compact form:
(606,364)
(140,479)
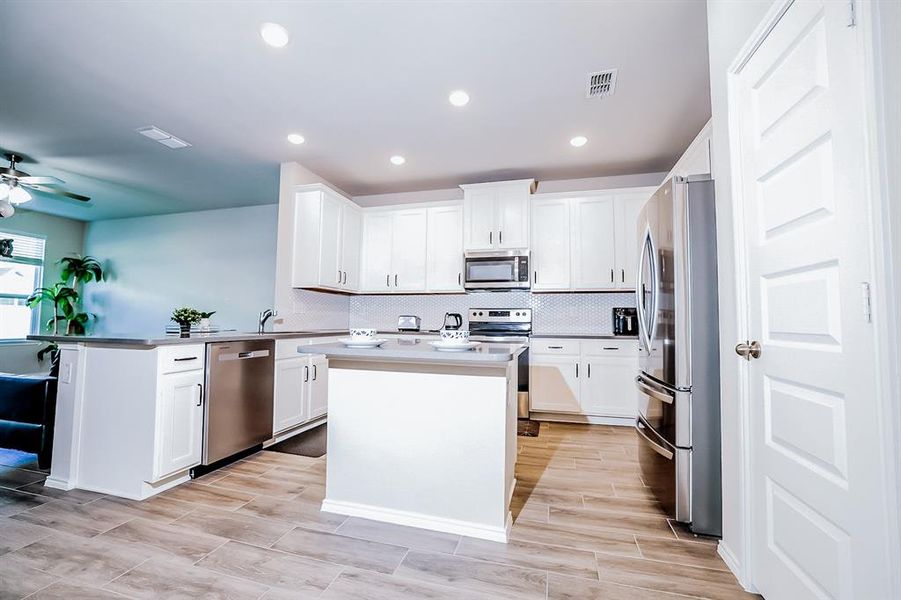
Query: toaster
(408,323)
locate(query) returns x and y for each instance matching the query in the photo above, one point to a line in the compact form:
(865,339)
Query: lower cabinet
(301,386)
(179,422)
(583,377)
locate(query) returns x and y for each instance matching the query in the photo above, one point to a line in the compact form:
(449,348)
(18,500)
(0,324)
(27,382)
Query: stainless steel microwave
(501,270)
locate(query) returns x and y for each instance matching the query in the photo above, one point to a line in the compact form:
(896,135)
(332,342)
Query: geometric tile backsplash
(565,314)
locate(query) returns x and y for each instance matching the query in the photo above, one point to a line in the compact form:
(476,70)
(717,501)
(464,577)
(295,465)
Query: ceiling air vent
(601,84)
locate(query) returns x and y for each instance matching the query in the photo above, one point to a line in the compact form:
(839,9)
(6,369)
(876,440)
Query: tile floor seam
(123,574)
(334,579)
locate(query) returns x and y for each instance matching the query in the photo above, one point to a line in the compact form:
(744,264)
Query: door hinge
(867,302)
(852,14)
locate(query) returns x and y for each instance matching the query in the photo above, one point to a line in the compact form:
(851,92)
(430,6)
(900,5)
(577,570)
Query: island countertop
(157,339)
(418,351)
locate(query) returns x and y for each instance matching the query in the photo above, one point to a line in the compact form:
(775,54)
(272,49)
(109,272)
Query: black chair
(27,414)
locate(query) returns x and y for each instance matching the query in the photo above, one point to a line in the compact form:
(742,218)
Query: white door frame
(885,246)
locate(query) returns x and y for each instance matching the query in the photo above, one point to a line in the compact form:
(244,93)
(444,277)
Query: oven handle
(646,389)
(654,445)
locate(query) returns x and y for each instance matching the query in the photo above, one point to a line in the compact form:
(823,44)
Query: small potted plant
(185,317)
(205,320)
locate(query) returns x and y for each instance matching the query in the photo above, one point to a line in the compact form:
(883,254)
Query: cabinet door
(445,249)
(408,250)
(554,384)
(377,227)
(179,422)
(550,244)
(593,250)
(512,218)
(330,242)
(290,406)
(608,387)
(627,207)
(351,236)
(479,219)
(305,259)
(318,386)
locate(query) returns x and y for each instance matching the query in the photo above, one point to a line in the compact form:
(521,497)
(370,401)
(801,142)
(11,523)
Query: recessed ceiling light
(578,141)
(274,34)
(459,98)
(398,160)
(296,138)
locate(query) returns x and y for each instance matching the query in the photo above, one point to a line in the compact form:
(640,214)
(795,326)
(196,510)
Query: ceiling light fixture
(296,138)
(458,98)
(18,195)
(274,34)
(6,210)
(398,160)
(578,141)
(4,191)
(163,137)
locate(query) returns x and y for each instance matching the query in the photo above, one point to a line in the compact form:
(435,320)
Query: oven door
(488,272)
(666,470)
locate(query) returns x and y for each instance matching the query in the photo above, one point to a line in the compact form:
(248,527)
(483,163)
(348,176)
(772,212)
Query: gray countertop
(417,351)
(155,339)
(584,336)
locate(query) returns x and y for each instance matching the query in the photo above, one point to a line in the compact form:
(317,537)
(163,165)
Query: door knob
(748,350)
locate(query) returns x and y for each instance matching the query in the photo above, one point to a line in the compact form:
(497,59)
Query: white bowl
(454,336)
(362,334)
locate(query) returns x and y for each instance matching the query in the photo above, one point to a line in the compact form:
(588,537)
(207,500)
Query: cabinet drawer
(288,348)
(553,346)
(610,348)
(175,359)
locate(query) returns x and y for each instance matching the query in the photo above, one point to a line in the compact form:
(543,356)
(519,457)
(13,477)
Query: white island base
(422,444)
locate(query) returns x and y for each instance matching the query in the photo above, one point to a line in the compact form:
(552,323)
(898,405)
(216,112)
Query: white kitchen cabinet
(551,266)
(179,422)
(322,257)
(628,239)
(318,386)
(593,242)
(588,378)
(290,401)
(445,249)
(394,250)
(496,215)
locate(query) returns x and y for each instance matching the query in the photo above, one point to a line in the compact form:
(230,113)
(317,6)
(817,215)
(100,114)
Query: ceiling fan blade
(41,180)
(47,190)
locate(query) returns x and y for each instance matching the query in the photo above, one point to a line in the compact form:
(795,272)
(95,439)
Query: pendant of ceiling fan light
(6,210)
(18,195)
(4,191)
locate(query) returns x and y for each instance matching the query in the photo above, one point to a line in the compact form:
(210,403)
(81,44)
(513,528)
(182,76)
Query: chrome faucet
(265,316)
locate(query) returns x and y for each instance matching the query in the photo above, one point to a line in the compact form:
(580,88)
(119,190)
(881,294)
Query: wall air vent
(163,137)
(601,84)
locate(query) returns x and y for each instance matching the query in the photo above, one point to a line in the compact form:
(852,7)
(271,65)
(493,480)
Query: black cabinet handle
(536,277)
(577,369)
(344,280)
(490,237)
(395,280)
(500,235)
(623,275)
(555,347)
(186,359)
(315,373)
(611,275)
(610,348)
(388,280)
(306,373)
(339,275)
(589,370)
(200,398)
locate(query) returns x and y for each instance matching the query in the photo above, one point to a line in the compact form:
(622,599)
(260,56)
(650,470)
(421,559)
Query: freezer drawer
(666,470)
(666,410)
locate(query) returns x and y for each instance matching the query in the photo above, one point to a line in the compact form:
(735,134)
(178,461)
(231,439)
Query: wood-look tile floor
(586,528)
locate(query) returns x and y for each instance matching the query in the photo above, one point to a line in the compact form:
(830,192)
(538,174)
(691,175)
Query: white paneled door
(819,520)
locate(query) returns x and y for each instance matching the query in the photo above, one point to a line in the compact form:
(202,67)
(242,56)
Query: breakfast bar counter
(422,437)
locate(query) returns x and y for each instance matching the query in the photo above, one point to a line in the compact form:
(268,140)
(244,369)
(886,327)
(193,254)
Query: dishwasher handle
(243,355)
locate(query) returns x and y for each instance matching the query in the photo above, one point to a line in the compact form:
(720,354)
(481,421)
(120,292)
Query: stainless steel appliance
(453,321)
(408,323)
(678,380)
(625,321)
(501,270)
(511,325)
(238,407)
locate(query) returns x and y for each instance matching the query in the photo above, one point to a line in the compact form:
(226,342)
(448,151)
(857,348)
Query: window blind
(26,248)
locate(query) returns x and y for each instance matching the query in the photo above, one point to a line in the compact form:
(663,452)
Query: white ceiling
(360,80)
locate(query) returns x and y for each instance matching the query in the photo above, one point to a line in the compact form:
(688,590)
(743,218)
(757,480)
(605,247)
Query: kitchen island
(421,437)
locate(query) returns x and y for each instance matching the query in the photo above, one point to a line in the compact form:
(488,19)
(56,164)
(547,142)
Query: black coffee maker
(453,321)
(625,321)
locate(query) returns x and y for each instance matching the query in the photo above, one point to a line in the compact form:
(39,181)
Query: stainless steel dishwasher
(238,408)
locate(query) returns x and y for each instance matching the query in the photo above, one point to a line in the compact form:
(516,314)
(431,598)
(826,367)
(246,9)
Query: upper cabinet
(586,242)
(496,215)
(445,249)
(326,240)
(394,250)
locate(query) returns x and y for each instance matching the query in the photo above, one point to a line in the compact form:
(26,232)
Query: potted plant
(185,317)
(205,320)
(63,298)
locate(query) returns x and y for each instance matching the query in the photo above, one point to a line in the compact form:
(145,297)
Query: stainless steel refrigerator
(678,420)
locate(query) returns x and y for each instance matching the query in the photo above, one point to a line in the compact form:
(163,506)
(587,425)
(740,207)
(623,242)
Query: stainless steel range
(510,325)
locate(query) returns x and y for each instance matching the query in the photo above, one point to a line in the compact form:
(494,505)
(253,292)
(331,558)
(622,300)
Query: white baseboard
(58,484)
(290,433)
(732,562)
(397,517)
(587,419)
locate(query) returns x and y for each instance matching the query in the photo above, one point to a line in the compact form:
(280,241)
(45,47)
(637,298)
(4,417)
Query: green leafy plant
(80,269)
(186,316)
(64,300)
(207,315)
(65,296)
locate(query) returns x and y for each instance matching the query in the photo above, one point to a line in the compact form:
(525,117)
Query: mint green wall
(63,237)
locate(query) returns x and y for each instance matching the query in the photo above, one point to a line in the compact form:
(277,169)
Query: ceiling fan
(14,186)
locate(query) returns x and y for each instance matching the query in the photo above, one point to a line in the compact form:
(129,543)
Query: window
(19,276)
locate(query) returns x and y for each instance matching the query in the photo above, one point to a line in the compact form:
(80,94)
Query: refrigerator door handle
(639,427)
(653,392)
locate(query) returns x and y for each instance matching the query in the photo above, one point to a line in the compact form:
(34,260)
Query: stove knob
(480,313)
